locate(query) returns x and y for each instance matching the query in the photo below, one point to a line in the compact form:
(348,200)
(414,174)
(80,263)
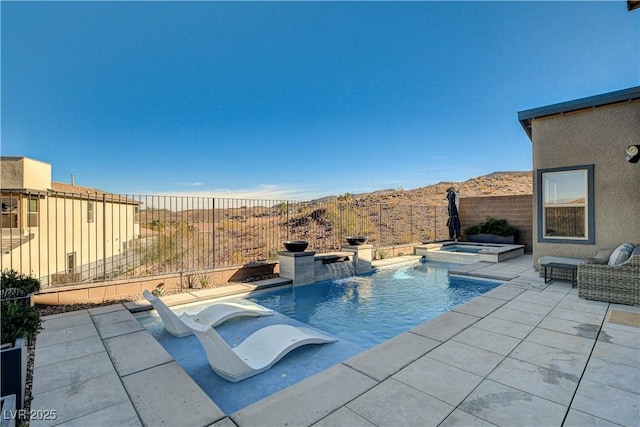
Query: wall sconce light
(633,153)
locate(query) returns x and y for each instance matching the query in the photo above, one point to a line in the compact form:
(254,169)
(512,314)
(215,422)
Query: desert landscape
(244,231)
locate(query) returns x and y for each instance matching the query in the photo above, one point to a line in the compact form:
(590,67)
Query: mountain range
(493,184)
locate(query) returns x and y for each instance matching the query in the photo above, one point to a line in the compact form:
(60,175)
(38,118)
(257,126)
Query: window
(565,205)
(32,211)
(136,214)
(10,212)
(89,210)
(71,262)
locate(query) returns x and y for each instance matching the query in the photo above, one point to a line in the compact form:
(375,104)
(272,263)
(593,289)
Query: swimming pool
(360,311)
(367,310)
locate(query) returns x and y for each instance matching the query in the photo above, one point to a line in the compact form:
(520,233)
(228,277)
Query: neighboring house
(63,233)
(586,186)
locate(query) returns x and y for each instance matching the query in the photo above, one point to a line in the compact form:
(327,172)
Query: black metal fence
(65,238)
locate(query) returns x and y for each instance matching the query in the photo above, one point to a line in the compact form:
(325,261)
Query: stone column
(363,255)
(297,266)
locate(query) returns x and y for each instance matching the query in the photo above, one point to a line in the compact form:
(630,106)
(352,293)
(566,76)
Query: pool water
(367,310)
(460,248)
(360,311)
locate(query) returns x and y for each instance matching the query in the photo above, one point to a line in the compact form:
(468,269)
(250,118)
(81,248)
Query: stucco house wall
(42,249)
(595,136)
(25,173)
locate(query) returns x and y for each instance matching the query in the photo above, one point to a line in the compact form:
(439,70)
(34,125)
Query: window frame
(71,262)
(32,216)
(90,210)
(11,217)
(590,237)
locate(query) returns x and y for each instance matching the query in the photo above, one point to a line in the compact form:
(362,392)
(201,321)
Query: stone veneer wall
(517,210)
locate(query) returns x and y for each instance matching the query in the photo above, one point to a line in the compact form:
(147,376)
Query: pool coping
(93,350)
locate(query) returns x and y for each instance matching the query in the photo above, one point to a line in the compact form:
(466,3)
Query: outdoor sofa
(617,280)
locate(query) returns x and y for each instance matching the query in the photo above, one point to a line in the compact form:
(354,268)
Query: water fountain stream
(340,270)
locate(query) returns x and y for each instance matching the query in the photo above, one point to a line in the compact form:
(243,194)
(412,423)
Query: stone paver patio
(525,354)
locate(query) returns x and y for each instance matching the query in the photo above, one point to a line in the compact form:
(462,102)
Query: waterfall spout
(340,270)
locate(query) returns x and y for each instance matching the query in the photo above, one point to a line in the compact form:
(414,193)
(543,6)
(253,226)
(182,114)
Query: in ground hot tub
(468,253)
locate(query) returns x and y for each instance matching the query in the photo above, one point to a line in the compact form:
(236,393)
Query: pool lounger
(257,353)
(210,316)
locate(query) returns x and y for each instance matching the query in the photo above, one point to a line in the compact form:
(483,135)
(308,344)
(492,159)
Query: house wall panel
(597,136)
(25,173)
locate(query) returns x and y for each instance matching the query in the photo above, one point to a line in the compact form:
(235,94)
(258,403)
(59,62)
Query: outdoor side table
(548,271)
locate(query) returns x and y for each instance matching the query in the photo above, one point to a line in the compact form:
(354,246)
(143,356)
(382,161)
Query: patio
(525,353)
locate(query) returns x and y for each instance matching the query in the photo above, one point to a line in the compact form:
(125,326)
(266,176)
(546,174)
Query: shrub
(158,291)
(499,227)
(19,320)
(9,293)
(204,280)
(382,254)
(13,279)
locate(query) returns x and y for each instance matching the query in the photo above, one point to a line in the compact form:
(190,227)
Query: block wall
(517,210)
(121,289)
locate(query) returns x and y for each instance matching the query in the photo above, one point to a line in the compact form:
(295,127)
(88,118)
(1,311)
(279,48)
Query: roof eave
(525,117)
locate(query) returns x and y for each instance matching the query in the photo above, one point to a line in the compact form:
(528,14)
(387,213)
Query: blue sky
(296,100)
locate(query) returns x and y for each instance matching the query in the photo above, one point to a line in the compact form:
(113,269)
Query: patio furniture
(548,271)
(600,257)
(257,353)
(210,316)
(557,273)
(612,283)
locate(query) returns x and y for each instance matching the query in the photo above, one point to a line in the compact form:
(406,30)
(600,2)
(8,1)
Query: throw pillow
(620,254)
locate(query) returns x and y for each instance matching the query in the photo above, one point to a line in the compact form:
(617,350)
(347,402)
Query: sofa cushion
(601,257)
(621,254)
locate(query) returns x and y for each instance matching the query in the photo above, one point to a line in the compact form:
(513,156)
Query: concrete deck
(524,353)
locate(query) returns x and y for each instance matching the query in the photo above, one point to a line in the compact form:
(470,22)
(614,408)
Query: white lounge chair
(257,353)
(210,316)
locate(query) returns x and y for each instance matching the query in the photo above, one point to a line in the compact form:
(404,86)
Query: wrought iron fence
(65,238)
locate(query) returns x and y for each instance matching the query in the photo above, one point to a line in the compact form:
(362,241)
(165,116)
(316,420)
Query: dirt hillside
(497,183)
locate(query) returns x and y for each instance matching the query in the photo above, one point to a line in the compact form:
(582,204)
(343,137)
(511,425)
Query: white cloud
(261,193)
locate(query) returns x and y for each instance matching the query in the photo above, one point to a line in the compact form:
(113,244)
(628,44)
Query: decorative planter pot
(491,238)
(296,245)
(357,240)
(14,371)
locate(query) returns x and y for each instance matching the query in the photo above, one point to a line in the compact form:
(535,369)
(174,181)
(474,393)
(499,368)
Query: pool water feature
(333,265)
(341,270)
(361,311)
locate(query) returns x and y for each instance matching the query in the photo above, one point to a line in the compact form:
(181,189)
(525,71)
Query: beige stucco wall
(25,173)
(63,228)
(597,136)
